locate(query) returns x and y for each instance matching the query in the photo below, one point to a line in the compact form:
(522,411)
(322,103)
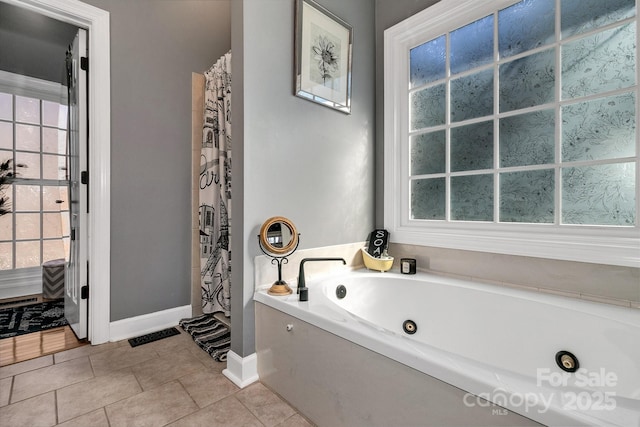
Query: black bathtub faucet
(302,286)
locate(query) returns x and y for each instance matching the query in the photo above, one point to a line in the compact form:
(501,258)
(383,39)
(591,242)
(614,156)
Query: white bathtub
(494,342)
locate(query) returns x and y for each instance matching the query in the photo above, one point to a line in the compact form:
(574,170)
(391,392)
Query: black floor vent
(153,336)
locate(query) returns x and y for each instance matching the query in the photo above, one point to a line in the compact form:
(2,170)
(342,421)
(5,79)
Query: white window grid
(576,242)
(38,182)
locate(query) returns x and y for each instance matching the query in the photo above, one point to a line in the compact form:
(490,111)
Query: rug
(210,334)
(31,318)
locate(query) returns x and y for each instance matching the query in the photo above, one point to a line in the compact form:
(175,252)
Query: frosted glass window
(427,62)
(599,129)
(525,26)
(527,139)
(6,137)
(522,138)
(579,16)
(528,81)
(472,198)
(600,194)
(602,62)
(472,147)
(27,138)
(27,110)
(428,107)
(472,45)
(428,198)
(6,106)
(472,96)
(428,153)
(527,196)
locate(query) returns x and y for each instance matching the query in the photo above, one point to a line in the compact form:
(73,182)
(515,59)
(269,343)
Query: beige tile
(207,387)
(264,404)
(156,407)
(95,393)
(97,418)
(85,350)
(206,359)
(296,420)
(171,366)
(228,412)
(124,356)
(38,411)
(46,379)
(5,390)
(28,365)
(172,344)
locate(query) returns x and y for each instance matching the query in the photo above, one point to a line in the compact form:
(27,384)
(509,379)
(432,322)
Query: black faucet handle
(304,294)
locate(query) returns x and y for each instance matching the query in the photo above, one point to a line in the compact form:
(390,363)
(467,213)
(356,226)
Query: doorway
(96,22)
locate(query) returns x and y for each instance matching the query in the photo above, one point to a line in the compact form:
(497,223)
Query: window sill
(599,246)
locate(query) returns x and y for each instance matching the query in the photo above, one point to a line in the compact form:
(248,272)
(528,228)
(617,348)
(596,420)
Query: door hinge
(84,63)
(73,234)
(84,292)
(84,177)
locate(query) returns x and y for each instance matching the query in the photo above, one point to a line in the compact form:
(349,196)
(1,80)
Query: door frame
(96,21)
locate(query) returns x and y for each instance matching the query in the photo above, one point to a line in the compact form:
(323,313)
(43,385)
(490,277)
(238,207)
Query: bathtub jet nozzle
(567,361)
(302,286)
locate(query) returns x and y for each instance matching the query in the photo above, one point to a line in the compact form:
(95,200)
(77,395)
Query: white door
(76,277)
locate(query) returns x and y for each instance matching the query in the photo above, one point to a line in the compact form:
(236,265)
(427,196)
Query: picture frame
(323,56)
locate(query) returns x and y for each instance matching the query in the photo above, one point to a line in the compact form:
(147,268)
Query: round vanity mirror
(278,239)
(278,236)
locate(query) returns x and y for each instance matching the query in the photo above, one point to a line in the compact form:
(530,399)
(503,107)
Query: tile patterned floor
(170,382)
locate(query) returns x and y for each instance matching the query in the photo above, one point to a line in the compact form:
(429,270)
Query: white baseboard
(241,371)
(147,323)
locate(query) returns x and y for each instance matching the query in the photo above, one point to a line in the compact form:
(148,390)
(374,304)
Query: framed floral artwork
(323,46)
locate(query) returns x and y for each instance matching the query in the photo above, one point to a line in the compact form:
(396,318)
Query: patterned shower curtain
(215,190)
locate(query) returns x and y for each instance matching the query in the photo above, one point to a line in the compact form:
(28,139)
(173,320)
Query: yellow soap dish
(378,264)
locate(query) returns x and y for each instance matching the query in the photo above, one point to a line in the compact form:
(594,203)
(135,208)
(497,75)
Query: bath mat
(153,336)
(210,334)
(31,318)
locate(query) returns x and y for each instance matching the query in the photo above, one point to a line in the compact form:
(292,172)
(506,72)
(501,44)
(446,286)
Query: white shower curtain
(215,190)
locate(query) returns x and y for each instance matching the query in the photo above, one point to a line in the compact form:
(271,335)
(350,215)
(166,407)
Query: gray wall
(301,160)
(155,46)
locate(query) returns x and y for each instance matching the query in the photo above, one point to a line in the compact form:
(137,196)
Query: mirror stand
(280,287)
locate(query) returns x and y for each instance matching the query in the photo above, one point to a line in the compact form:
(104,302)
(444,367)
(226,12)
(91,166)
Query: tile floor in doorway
(170,382)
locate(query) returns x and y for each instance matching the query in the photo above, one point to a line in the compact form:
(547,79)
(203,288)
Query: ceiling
(32,44)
